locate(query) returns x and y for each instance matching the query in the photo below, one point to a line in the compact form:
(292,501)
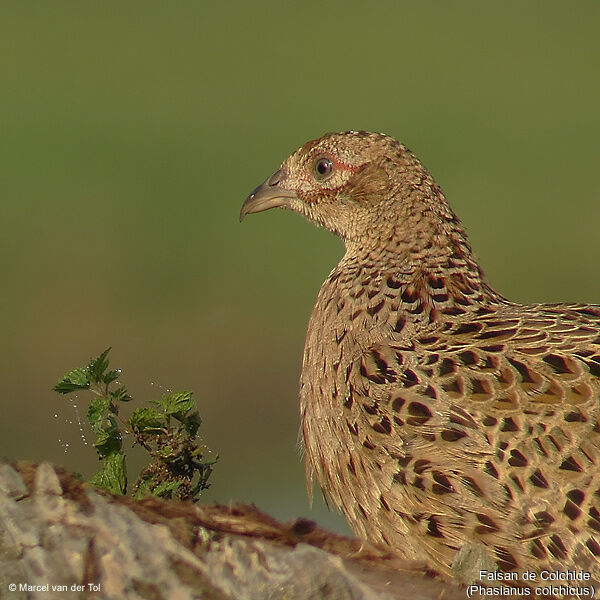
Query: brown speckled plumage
(436,413)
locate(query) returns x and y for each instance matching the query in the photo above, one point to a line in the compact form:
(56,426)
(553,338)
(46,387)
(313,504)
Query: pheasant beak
(268,194)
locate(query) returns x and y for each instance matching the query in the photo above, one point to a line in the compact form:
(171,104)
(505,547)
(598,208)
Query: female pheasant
(436,413)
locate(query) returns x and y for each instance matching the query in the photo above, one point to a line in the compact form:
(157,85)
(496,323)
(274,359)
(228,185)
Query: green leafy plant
(167,429)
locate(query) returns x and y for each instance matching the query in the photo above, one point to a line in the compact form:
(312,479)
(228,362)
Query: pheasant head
(371,191)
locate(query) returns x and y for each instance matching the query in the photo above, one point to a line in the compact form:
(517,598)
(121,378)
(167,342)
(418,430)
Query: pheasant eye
(323,168)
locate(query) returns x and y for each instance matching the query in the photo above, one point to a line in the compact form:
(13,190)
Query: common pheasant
(435,412)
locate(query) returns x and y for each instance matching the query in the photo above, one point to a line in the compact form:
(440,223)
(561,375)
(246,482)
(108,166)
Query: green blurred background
(131,132)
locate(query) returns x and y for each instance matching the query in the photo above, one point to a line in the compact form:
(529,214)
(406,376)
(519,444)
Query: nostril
(275,178)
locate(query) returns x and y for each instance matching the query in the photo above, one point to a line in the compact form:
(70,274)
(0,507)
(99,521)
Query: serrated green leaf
(112,475)
(120,394)
(166,489)
(191,423)
(111,376)
(77,379)
(97,413)
(109,439)
(166,452)
(144,419)
(177,404)
(97,367)
(143,488)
